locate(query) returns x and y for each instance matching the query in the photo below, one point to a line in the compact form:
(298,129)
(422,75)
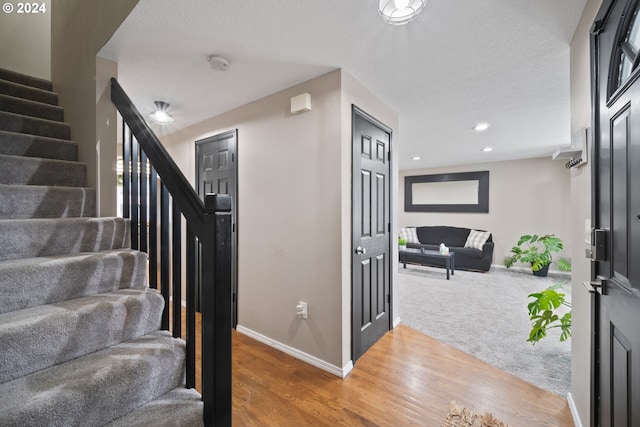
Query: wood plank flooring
(405,379)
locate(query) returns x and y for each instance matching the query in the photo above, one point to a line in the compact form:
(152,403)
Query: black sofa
(454,238)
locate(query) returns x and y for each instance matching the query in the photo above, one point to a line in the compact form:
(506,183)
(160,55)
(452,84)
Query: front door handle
(600,284)
(360,250)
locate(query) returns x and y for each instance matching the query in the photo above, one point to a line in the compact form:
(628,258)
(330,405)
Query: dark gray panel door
(616,199)
(371,237)
(217,172)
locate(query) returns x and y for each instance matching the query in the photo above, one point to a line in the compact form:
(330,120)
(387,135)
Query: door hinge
(388,227)
(388,298)
(389,155)
(233,228)
(233,297)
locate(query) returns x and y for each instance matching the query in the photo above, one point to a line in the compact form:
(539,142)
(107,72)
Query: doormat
(459,416)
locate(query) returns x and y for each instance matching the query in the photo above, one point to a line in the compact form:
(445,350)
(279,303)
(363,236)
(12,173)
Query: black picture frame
(483,192)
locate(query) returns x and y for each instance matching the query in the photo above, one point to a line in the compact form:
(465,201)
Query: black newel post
(216,310)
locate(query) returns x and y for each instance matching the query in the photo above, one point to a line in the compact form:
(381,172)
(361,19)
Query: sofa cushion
(477,239)
(409,234)
(450,236)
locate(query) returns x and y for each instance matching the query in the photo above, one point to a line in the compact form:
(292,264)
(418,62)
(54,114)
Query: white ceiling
(461,62)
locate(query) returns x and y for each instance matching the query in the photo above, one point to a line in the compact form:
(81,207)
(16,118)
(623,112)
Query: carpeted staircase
(80,343)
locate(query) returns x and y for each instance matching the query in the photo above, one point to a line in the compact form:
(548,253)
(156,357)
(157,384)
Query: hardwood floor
(405,379)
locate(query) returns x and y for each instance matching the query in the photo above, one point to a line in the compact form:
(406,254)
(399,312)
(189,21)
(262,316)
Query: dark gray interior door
(371,295)
(616,198)
(217,172)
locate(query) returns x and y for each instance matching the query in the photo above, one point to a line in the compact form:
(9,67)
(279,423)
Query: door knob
(360,250)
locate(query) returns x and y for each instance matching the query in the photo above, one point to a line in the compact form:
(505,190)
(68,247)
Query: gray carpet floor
(485,314)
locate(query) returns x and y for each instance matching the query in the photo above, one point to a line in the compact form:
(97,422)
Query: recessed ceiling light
(416,157)
(481,126)
(487,149)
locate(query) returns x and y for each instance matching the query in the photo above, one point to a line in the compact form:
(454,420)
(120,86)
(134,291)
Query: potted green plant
(543,315)
(537,251)
(402,243)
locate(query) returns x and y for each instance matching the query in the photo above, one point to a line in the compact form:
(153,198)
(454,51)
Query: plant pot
(402,247)
(543,271)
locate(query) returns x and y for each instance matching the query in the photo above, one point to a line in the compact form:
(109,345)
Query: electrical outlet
(302,310)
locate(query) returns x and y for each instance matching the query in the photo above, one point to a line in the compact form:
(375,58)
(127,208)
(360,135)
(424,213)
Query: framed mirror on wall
(447,192)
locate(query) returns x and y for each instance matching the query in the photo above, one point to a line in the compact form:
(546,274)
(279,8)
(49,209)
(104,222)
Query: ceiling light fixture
(161,116)
(481,126)
(486,149)
(400,12)
(416,158)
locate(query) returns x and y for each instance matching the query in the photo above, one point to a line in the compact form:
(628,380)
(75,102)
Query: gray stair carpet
(47,280)
(28,92)
(19,170)
(41,201)
(12,122)
(180,407)
(40,110)
(39,337)
(23,79)
(80,342)
(96,388)
(28,238)
(21,144)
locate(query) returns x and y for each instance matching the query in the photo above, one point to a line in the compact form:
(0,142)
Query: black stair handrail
(208,227)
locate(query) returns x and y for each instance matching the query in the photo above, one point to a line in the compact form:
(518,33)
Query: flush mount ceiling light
(481,126)
(416,157)
(486,149)
(400,12)
(161,116)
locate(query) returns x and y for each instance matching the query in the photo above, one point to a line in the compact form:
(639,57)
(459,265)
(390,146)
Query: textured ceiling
(461,62)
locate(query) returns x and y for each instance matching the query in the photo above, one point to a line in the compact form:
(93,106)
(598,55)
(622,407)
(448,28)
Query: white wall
(78,32)
(581,212)
(25,41)
(525,197)
(294,213)
(289,214)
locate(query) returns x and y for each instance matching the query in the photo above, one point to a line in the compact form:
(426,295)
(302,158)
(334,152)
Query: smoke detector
(218,63)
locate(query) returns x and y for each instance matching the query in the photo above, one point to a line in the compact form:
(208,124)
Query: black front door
(371,232)
(616,213)
(216,172)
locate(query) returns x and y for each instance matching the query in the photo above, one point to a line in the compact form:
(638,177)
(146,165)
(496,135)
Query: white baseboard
(574,411)
(307,358)
(396,322)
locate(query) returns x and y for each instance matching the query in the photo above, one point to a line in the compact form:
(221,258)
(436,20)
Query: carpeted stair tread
(23,79)
(28,92)
(13,122)
(27,107)
(18,170)
(28,238)
(97,388)
(39,337)
(40,201)
(181,407)
(20,144)
(30,282)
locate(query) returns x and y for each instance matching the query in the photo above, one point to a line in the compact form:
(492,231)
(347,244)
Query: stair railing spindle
(176,280)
